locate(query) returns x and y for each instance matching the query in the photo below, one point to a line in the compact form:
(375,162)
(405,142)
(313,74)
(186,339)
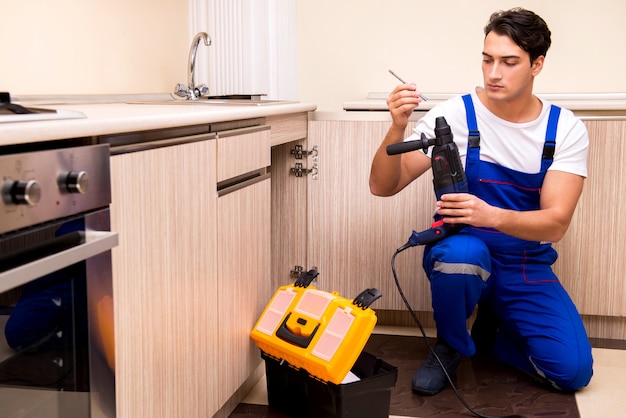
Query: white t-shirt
(518,146)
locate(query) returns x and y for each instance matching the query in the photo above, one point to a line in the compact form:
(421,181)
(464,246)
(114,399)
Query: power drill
(448,177)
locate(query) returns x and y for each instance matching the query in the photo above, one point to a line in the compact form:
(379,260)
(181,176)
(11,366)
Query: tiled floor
(604,397)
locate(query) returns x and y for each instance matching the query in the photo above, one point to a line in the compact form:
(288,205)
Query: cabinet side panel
(289,214)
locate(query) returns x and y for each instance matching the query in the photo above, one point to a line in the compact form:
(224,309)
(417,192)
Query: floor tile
(606,394)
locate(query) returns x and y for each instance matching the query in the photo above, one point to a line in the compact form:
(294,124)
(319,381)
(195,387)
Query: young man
(525,164)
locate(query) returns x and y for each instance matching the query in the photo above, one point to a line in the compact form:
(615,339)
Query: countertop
(119,114)
(586,106)
(102,117)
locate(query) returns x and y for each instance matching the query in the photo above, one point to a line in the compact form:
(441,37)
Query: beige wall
(93,46)
(345,47)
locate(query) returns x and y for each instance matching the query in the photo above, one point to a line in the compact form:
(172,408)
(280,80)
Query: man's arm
(559,195)
(391,173)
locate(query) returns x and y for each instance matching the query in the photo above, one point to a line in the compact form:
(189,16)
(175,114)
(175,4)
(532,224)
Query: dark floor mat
(488,386)
(256,411)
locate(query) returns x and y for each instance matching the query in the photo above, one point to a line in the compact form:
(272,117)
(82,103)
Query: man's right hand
(401,103)
(390,174)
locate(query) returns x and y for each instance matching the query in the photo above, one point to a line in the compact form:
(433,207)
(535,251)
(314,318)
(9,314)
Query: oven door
(56,310)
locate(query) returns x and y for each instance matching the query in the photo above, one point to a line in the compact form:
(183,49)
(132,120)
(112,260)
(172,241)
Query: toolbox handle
(366,298)
(286,335)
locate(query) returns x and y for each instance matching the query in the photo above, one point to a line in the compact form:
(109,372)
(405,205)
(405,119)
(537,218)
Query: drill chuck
(443,133)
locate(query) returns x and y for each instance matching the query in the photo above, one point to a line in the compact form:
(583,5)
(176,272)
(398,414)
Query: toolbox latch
(366,298)
(305,279)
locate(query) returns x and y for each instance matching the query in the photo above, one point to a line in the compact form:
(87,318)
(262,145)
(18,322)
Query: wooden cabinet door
(351,233)
(164,279)
(243,287)
(591,262)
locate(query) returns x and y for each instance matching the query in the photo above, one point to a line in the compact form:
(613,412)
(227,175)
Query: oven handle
(96,242)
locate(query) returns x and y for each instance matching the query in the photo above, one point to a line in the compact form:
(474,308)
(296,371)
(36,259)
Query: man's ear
(537,65)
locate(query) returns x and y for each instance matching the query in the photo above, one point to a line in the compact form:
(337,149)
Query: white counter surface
(586,106)
(574,102)
(119,117)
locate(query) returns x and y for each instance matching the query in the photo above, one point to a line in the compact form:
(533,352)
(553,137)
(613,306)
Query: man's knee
(459,255)
(570,372)
(459,249)
(458,268)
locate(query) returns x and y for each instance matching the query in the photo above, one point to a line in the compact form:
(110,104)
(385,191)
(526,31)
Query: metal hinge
(298,270)
(299,153)
(300,170)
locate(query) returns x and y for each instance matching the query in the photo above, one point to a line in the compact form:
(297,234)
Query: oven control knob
(26,192)
(77,181)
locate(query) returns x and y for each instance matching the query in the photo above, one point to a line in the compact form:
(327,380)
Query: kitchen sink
(214,102)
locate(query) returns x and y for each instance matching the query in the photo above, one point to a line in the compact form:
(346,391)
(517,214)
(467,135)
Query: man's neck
(519,110)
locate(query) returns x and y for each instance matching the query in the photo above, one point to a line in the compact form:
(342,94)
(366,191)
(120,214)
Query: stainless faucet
(191,91)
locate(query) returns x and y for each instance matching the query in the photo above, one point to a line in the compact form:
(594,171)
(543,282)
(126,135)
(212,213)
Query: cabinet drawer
(241,151)
(288,128)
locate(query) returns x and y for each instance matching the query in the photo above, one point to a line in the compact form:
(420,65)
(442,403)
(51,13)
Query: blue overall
(539,328)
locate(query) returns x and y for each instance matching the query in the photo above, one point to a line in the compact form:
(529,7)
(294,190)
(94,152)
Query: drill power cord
(425,338)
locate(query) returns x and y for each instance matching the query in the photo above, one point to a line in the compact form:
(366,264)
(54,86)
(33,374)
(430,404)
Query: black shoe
(430,379)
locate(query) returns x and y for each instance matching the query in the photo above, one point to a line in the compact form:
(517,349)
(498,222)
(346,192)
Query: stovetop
(46,114)
(14,112)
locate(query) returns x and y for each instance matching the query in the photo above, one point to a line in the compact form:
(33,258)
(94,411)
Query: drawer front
(288,128)
(242,150)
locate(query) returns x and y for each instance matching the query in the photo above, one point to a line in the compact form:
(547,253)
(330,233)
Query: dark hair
(528,30)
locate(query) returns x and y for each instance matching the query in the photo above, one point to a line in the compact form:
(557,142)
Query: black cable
(425,338)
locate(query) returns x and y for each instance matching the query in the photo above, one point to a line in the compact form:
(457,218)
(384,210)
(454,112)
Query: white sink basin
(214,102)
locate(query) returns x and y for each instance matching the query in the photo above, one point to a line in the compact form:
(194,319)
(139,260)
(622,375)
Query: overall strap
(470,115)
(473,140)
(550,142)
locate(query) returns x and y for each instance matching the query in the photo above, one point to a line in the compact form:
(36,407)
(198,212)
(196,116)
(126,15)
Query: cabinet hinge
(298,270)
(299,153)
(300,170)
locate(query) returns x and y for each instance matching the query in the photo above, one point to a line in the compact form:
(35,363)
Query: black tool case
(295,392)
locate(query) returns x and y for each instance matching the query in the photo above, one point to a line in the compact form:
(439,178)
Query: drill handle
(438,231)
(423,143)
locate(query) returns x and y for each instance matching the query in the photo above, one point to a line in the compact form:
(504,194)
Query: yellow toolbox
(320,332)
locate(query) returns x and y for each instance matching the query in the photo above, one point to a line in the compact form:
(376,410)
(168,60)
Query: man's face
(507,72)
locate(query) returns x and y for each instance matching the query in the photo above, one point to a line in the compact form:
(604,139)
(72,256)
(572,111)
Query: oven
(56,296)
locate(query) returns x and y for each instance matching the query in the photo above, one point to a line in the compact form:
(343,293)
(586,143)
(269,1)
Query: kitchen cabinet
(192,271)
(335,224)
